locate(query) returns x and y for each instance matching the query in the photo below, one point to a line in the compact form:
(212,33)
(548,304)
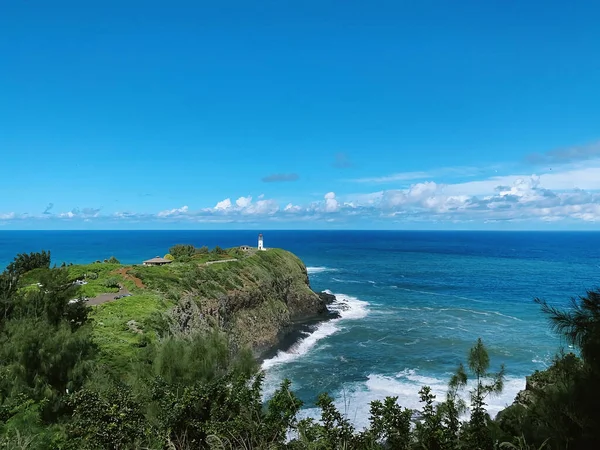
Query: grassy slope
(250,288)
(119,342)
(257,309)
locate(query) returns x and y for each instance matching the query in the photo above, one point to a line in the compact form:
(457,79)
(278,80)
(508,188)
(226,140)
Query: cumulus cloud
(291,208)
(83,213)
(279,177)
(173,212)
(568,194)
(244,202)
(525,198)
(244,206)
(331,203)
(223,205)
(261,207)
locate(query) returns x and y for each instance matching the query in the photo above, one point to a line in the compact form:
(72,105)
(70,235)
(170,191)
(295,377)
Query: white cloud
(290,208)
(223,205)
(173,212)
(261,207)
(582,178)
(567,194)
(331,204)
(245,206)
(243,202)
(84,213)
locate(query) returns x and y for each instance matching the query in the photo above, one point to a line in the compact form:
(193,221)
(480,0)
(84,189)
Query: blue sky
(143,114)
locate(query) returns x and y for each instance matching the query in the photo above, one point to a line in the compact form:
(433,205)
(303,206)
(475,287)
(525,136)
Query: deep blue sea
(412,303)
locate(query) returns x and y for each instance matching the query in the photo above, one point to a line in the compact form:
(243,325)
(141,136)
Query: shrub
(112,283)
(182,250)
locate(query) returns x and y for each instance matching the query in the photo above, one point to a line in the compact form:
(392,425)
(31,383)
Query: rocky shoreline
(299,328)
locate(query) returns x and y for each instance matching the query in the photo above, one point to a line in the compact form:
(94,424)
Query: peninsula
(256,296)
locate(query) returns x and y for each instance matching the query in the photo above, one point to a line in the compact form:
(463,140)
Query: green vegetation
(171,368)
(187,252)
(122,327)
(24,262)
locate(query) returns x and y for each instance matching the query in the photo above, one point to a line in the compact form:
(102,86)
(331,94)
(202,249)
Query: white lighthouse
(260,242)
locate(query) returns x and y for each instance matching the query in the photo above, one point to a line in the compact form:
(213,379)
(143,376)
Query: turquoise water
(411,303)
(418,301)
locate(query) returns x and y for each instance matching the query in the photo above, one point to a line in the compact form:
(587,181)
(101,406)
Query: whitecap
(354,398)
(340,280)
(348,308)
(319,269)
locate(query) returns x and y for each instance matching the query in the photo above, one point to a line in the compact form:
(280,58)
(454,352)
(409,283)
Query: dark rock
(326,297)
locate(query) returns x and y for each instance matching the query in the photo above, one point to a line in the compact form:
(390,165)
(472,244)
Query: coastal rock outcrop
(258,298)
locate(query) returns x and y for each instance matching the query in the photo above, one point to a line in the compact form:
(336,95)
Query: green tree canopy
(24,262)
(182,251)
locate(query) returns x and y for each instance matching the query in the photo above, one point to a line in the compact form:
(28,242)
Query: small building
(157,261)
(245,248)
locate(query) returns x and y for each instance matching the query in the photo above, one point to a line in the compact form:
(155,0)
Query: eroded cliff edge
(258,298)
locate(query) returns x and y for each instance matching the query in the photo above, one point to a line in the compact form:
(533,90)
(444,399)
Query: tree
(25,262)
(43,362)
(113,260)
(580,325)
(182,251)
(478,434)
(9,284)
(169,257)
(112,420)
(574,402)
(219,251)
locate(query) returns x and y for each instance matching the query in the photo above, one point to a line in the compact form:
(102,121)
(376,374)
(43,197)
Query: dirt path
(124,272)
(208,263)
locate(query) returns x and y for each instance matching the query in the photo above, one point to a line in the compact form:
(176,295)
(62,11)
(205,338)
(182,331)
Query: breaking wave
(354,399)
(319,269)
(348,308)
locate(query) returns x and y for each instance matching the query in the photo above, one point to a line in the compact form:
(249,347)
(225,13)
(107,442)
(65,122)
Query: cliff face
(257,297)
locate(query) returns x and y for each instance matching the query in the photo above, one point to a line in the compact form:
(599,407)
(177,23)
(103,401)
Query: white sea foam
(348,308)
(319,269)
(354,399)
(340,280)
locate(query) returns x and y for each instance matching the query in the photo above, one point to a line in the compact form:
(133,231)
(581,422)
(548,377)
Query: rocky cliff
(258,297)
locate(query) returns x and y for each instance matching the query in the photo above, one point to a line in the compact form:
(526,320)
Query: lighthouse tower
(260,242)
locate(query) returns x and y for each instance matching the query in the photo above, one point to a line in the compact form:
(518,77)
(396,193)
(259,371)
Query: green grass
(117,342)
(94,287)
(244,283)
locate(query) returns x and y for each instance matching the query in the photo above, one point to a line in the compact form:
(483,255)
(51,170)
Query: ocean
(411,303)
